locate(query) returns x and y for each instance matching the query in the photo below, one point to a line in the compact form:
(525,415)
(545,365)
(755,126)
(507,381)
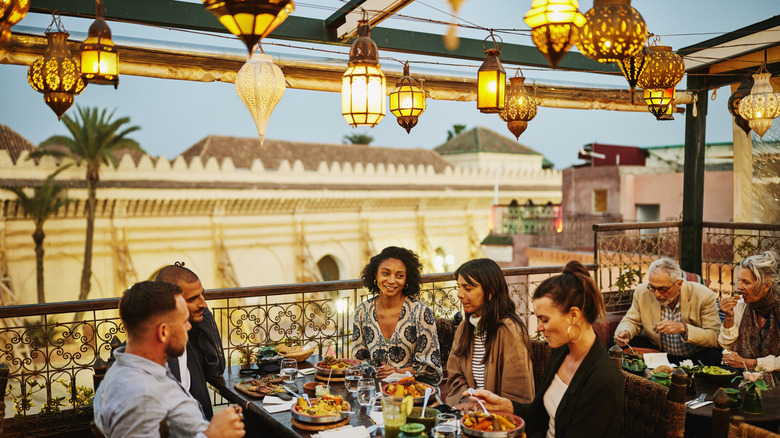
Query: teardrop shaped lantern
(99,57)
(250,20)
(633,67)
(57,74)
(664,69)
(491,80)
(407,100)
(761,106)
(260,85)
(520,107)
(613,30)
(659,101)
(11,12)
(734,100)
(363,85)
(554,25)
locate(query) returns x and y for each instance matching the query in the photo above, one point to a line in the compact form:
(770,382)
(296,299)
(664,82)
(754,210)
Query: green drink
(394,415)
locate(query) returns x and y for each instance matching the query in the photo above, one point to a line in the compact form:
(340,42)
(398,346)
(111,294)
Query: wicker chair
(739,429)
(445,329)
(540,357)
(651,409)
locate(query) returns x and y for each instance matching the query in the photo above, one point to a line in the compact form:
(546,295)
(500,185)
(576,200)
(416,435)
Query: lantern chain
(56,21)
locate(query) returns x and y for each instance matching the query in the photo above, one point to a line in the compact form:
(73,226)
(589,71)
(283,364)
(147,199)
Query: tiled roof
(243,151)
(14,143)
(482,139)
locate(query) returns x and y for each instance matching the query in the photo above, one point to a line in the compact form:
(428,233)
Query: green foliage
(745,249)
(456,130)
(358,138)
(24,401)
(627,279)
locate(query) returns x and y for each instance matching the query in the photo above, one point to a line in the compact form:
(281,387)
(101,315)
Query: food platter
(508,433)
(335,414)
(717,375)
(340,366)
(417,389)
(261,387)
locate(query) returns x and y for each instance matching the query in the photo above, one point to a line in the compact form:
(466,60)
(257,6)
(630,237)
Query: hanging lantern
(250,20)
(613,30)
(11,12)
(554,25)
(664,69)
(407,100)
(99,58)
(633,67)
(734,100)
(761,106)
(669,114)
(659,101)
(520,107)
(491,81)
(363,84)
(260,85)
(57,74)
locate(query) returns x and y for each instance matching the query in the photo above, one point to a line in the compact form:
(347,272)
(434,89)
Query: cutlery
(471,393)
(697,400)
(428,392)
(372,429)
(288,389)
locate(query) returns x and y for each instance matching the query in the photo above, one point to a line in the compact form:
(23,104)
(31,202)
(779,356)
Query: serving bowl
(512,433)
(335,372)
(417,400)
(318,419)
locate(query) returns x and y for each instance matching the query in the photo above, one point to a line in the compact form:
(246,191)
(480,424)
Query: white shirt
(728,336)
(184,372)
(552,398)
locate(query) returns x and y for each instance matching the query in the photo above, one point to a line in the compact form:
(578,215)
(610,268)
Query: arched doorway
(329,268)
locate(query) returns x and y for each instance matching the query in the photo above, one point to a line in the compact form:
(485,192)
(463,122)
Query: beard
(175,350)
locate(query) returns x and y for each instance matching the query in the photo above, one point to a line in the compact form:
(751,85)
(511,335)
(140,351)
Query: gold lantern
(99,57)
(633,67)
(664,69)
(11,12)
(659,101)
(57,74)
(363,84)
(613,30)
(260,85)
(554,26)
(407,100)
(250,20)
(734,100)
(761,106)
(491,81)
(520,107)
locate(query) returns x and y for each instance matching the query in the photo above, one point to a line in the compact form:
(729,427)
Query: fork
(698,399)
(471,393)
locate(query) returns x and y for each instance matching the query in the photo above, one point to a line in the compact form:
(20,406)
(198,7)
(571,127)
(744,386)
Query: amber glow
(407,100)
(363,95)
(250,20)
(553,26)
(491,83)
(761,106)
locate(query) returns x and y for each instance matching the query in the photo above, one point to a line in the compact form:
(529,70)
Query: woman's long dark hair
(496,306)
(574,288)
(407,257)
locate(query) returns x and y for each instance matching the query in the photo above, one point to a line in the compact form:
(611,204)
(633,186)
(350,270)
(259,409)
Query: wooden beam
(693,180)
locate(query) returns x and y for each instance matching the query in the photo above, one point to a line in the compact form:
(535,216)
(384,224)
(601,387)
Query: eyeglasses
(660,290)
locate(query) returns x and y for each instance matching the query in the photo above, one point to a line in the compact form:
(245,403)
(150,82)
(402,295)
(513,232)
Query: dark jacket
(592,405)
(205,360)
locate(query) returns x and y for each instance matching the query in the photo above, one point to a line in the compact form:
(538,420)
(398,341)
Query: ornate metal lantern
(520,107)
(250,20)
(99,57)
(554,25)
(633,67)
(260,85)
(613,30)
(11,12)
(491,81)
(363,84)
(664,69)
(659,101)
(57,74)
(761,106)
(407,100)
(734,100)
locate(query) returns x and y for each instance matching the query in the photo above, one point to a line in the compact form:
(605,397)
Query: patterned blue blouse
(414,341)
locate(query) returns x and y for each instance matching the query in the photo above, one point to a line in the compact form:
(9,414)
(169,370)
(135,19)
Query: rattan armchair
(651,410)
(739,429)
(540,357)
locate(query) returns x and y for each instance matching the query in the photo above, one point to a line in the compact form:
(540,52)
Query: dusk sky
(173,115)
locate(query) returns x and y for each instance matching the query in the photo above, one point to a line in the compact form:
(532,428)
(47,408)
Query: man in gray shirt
(138,393)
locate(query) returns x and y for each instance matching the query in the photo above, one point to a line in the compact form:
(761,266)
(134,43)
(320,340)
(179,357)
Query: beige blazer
(508,370)
(697,309)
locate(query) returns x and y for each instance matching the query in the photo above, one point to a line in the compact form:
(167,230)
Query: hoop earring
(375,282)
(406,285)
(568,333)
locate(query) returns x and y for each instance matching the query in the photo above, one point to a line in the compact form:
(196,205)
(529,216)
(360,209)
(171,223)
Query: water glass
(365,391)
(375,411)
(351,378)
(445,430)
(289,369)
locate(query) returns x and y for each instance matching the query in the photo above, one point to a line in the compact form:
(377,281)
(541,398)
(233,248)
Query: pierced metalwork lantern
(520,107)
(491,81)
(250,20)
(734,100)
(612,31)
(761,106)
(260,85)
(659,101)
(57,74)
(664,69)
(99,57)
(554,25)
(633,67)
(11,12)
(363,84)
(407,100)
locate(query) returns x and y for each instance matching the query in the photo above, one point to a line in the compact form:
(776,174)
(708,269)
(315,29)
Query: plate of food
(333,366)
(261,387)
(326,409)
(634,364)
(406,386)
(717,375)
(496,425)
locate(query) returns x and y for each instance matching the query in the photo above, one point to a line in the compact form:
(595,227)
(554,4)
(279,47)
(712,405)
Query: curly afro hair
(407,257)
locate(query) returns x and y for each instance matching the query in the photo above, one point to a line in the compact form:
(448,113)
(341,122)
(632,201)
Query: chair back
(739,429)
(445,329)
(540,357)
(648,411)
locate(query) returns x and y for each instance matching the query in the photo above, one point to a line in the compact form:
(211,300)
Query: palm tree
(456,130)
(44,202)
(94,139)
(358,138)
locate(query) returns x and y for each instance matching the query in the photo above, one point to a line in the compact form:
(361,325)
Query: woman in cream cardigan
(491,346)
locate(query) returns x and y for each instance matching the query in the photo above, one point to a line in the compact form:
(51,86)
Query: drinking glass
(289,369)
(364,391)
(394,416)
(351,378)
(375,411)
(446,426)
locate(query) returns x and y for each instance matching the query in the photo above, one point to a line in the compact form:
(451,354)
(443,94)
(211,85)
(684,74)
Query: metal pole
(693,180)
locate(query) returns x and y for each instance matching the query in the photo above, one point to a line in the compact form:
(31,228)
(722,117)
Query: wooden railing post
(3,384)
(720,414)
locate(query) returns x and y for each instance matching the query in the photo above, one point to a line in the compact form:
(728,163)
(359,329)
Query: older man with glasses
(672,315)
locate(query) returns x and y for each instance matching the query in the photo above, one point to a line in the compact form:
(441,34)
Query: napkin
(348,431)
(394,377)
(699,404)
(274,404)
(306,371)
(653,360)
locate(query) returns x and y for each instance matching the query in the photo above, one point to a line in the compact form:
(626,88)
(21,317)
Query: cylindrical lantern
(612,31)
(407,100)
(659,101)
(99,57)
(761,106)
(734,100)
(554,25)
(363,84)
(260,85)
(520,107)
(491,82)
(250,20)
(57,74)
(11,12)
(664,69)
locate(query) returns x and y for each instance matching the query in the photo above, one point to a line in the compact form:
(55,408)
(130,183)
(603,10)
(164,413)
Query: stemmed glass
(289,369)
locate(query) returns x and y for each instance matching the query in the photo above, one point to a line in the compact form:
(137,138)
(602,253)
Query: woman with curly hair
(393,331)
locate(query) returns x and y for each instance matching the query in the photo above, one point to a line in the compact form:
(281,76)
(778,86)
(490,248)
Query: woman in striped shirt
(492,345)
